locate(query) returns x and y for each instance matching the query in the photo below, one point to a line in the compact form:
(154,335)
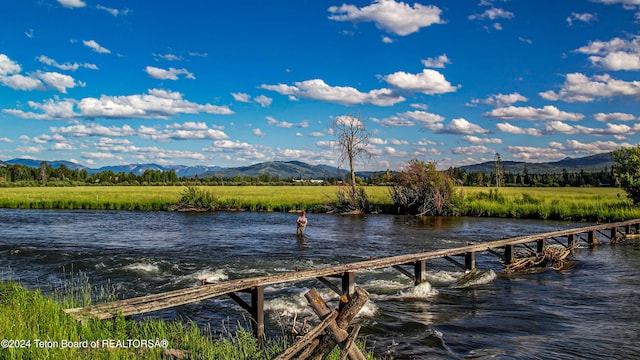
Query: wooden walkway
(255,285)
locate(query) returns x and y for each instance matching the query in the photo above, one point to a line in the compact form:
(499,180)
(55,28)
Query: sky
(233,83)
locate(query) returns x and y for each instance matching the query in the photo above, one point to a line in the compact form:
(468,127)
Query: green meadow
(567,203)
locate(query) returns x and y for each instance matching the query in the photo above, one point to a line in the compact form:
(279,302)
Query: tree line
(23,175)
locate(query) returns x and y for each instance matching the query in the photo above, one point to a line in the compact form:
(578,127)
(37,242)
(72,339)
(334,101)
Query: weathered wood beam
(405,272)
(454,262)
(420,272)
(508,254)
(330,285)
(308,338)
(350,341)
(470,260)
(339,334)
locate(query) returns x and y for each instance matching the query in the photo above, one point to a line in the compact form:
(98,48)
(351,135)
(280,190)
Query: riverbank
(589,204)
(34,326)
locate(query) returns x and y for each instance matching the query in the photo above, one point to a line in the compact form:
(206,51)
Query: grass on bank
(566,203)
(38,328)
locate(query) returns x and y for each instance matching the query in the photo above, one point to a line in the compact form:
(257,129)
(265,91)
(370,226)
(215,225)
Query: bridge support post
(257,312)
(348,283)
(592,239)
(420,271)
(571,240)
(508,254)
(470,260)
(614,233)
(540,246)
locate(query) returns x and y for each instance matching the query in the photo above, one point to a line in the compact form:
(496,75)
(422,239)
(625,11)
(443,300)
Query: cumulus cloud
(271,121)
(615,54)
(457,126)
(530,153)
(501,100)
(492,14)
(530,113)
(93,45)
(428,82)
(156,104)
(583,17)
(595,147)
(581,88)
(264,101)
(168,74)
(478,141)
(617,116)
(439,62)
(241,97)
(317,89)
(112,11)
(67,66)
(472,150)
(511,129)
(391,16)
(72,3)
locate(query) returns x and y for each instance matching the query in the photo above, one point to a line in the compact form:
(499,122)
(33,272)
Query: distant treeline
(23,175)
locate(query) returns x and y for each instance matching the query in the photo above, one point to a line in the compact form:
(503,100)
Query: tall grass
(592,204)
(38,326)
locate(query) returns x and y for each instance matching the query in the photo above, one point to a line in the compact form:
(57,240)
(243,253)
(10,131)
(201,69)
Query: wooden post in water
(592,239)
(470,260)
(614,233)
(348,283)
(540,246)
(420,271)
(571,239)
(255,309)
(508,254)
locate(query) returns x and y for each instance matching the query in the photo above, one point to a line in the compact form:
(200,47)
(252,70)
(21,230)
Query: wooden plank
(174,298)
(307,338)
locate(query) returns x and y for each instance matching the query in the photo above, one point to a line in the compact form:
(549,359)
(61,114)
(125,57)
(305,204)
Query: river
(588,312)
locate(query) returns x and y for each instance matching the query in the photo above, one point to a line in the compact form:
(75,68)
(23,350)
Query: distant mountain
(54,164)
(591,163)
(281,169)
(301,170)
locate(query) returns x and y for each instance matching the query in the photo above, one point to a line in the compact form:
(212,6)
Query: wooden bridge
(504,249)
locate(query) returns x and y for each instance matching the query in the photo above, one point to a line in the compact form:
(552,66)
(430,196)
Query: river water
(588,312)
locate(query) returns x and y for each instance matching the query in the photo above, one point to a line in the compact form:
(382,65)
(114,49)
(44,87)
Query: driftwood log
(331,331)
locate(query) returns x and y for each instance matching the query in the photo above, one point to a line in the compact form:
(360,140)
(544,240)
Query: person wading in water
(302,223)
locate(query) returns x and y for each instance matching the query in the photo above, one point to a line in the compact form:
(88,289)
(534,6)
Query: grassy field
(593,204)
(34,326)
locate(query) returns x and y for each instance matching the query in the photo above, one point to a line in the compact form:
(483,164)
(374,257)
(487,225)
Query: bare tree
(353,143)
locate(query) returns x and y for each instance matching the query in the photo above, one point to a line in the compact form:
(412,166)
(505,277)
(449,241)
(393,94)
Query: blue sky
(230,83)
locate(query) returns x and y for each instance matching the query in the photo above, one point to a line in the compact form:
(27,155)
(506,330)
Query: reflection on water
(590,311)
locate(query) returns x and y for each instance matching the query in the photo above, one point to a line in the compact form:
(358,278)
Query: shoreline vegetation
(34,326)
(546,203)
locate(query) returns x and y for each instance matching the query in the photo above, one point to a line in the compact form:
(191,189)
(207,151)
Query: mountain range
(301,170)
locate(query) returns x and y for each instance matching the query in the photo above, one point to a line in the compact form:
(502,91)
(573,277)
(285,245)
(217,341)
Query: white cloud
(264,101)
(8,66)
(157,104)
(581,88)
(387,40)
(318,90)
(584,17)
(241,97)
(93,129)
(394,121)
(623,2)
(439,62)
(170,74)
(112,11)
(62,146)
(428,82)
(67,66)
(478,141)
(271,121)
(501,100)
(21,82)
(529,153)
(457,126)
(394,17)
(57,81)
(5,140)
(511,129)
(615,54)
(472,150)
(258,132)
(72,3)
(93,45)
(548,112)
(616,116)
(578,147)
(391,151)
(492,14)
